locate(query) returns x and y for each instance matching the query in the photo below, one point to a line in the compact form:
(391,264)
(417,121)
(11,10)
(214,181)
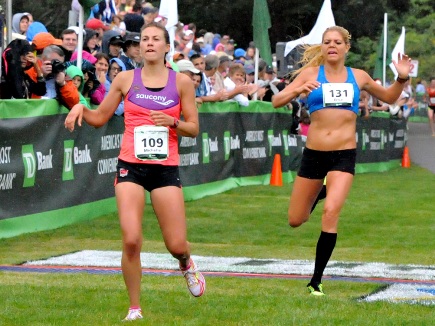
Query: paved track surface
(421,145)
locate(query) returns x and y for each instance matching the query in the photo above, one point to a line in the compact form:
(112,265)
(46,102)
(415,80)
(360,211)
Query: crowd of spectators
(38,65)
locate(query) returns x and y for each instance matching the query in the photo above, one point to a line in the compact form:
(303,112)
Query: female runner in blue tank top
(332,92)
(154,97)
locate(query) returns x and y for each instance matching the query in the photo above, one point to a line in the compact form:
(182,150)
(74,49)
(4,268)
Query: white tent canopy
(324,20)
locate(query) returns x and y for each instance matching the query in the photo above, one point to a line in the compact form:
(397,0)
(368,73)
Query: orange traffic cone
(406,160)
(276,176)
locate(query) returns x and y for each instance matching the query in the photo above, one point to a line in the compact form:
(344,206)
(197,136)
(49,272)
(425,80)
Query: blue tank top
(315,99)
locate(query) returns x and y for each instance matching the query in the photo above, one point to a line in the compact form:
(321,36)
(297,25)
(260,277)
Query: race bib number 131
(337,94)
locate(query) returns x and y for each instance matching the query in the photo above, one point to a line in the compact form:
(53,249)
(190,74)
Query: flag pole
(384,54)
(80,38)
(256,62)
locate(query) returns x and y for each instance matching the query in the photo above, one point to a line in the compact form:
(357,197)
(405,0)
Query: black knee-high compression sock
(320,196)
(324,249)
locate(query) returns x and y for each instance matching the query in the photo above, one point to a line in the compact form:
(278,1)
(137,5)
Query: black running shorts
(316,164)
(149,176)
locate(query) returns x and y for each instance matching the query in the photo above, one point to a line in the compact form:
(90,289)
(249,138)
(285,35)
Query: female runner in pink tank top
(154,99)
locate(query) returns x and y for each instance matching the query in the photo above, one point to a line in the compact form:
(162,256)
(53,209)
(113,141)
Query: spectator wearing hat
(250,80)
(250,72)
(53,70)
(99,27)
(219,47)
(222,70)
(186,67)
(178,56)
(15,83)
(149,14)
(44,39)
(92,87)
(112,44)
(77,30)
(239,54)
(229,47)
(133,20)
(205,49)
(76,76)
(115,67)
(199,63)
(91,41)
(224,39)
(131,57)
(161,19)
(35,28)
(20,23)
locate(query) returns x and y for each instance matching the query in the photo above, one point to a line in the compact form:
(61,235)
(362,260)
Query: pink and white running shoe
(194,279)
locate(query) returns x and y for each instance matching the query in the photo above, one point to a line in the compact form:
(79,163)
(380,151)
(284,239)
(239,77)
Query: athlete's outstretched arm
(303,84)
(105,110)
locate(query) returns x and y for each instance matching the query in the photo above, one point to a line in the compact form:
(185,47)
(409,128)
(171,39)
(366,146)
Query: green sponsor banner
(51,177)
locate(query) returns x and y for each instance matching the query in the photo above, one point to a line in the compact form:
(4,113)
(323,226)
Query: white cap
(187,65)
(77,30)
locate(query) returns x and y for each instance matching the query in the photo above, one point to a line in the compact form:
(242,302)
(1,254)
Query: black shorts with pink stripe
(149,176)
(316,164)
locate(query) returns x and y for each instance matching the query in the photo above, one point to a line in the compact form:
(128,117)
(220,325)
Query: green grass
(388,217)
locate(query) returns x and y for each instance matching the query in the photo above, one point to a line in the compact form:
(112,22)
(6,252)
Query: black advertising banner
(45,168)
(234,144)
(379,139)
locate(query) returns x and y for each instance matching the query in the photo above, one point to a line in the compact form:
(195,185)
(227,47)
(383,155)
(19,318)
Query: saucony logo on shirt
(155,98)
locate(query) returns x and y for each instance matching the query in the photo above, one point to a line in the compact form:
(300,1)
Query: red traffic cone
(276,175)
(406,160)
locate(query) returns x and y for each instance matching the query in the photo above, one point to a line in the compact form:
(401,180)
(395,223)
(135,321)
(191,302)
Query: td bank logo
(29,161)
(205,149)
(230,143)
(34,162)
(68,171)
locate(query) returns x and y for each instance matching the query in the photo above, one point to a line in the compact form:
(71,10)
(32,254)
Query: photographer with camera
(17,58)
(53,70)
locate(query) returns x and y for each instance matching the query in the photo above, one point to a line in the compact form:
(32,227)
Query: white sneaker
(133,314)
(194,279)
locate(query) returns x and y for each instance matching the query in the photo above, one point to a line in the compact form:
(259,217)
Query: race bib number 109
(337,94)
(151,143)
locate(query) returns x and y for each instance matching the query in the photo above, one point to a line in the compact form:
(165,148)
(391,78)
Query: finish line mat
(410,284)
(95,258)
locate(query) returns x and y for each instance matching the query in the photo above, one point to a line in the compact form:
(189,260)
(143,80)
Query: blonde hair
(312,56)
(235,68)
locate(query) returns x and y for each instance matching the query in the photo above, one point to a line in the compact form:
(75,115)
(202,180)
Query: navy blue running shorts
(316,164)
(149,176)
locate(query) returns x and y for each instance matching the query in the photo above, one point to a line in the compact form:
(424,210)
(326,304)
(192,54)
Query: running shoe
(194,279)
(133,314)
(315,289)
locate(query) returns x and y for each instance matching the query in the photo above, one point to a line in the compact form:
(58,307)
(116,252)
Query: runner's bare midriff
(332,129)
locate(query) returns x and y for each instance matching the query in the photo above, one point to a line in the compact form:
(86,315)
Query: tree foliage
(292,19)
